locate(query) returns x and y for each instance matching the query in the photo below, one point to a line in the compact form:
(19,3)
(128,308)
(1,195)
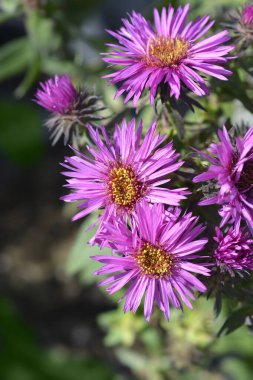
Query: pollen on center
(154,261)
(124,188)
(164,52)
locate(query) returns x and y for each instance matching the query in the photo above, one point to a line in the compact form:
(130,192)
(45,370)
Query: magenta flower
(234,250)
(72,109)
(57,95)
(241,27)
(118,175)
(166,54)
(247,15)
(154,257)
(232,169)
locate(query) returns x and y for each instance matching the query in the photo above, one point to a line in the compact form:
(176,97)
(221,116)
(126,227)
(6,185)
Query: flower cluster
(128,180)
(231,167)
(155,245)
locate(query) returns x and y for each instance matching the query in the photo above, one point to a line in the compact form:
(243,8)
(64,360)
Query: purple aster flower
(72,109)
(118,175)
(234,250)
(242,26)
(154,257)
(232,169)
(166,54)
(247,15)
(57,95)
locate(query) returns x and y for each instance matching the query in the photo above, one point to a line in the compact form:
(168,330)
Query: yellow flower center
(154,261)
(164,52)
(123,186)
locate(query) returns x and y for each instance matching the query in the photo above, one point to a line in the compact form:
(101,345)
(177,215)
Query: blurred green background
(55,324)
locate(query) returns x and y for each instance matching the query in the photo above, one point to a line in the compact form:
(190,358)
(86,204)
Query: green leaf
(121,329)
(5,16)
(52,66)
(236,320)
(29,78)
(20,132)
(75,11)
(79,261)
(10,6)
(135,360)
(201,7)
(15,56)
(42,33)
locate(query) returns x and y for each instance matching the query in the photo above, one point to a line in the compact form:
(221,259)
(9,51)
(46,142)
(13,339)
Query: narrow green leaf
(79,261)
(15,56)
(236,320)
(42,33)
(29,78)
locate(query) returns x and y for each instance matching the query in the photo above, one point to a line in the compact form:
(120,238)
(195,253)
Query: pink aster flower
(116,176)
(232,170)
(241,26)
(234,250)
(247,15)
(166,54)
(72,109)
(154,258)
(57,94)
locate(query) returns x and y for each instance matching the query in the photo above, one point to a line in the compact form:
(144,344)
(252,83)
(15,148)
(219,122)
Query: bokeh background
(55,324)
